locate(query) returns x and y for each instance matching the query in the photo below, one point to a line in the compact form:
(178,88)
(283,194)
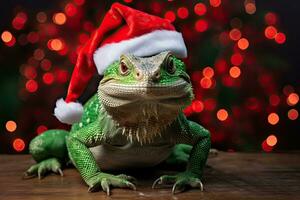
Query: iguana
(134,120)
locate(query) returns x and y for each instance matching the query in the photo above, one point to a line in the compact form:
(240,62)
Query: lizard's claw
(107,181)
(157,181)
(180,182)
(128,178)
(41,168)
(180,185)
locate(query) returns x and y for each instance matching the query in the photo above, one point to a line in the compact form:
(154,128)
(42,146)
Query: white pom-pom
(68,113)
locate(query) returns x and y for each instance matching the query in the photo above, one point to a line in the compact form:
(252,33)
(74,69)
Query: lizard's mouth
(115,95)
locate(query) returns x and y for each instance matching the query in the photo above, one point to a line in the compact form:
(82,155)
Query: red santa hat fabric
(123,30)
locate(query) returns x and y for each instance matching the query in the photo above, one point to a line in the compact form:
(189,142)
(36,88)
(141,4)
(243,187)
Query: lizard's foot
(107,181)
(41,168)
(179,181)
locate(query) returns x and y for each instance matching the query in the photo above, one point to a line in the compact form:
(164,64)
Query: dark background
(288,12)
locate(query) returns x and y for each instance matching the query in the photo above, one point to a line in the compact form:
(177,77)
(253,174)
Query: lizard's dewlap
(144,111)
(142,121)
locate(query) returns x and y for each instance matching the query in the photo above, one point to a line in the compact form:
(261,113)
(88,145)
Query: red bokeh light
(46,64)
(6,36)
(266,147)
(200,9)
(55,44)
(40,129)
(70,10)
(273,118)
(235,34)
(293,114)
(30,72)
(243,43)
(250,8)
(156,7)
(274,100)
(41,17)
(205,82)
(208,72)
(31,86)
(270,32)
(11,126)
(62,76)
(235,72)
(59,18)
(271,140)
(33,37)
(292,99)
(197,106)
(183,12)
(19,144)
(19,21)
(280,38)
(222,114)
(48,78)
(270,18)
(237,59)
(39,54)
(215,3)
(170,15)
(201,25)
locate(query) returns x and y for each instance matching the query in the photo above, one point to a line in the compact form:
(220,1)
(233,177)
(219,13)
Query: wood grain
(227,176)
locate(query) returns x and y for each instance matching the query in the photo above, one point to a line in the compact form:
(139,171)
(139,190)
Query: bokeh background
(243,59)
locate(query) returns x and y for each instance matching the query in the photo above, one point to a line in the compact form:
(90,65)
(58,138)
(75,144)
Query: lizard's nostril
(138,75)
(156,76)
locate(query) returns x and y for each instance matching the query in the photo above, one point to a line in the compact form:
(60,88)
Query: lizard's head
(145,90)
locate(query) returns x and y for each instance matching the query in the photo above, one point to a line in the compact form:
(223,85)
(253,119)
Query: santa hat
(123,30)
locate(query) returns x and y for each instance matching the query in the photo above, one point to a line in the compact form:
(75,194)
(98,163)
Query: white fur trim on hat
(145,45)
(68,113)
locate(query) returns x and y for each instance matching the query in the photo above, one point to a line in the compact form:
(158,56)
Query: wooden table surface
(227,176)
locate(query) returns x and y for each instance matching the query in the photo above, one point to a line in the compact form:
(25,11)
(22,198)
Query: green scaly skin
(101,125)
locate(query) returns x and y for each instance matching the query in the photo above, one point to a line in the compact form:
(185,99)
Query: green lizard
(135,120)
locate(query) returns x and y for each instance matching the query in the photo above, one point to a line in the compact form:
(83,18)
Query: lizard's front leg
(78,144)
(200,139)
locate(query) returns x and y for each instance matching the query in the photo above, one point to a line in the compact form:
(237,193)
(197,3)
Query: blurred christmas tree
(236,73)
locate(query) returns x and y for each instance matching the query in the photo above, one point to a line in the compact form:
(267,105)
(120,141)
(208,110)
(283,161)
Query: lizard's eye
(123,68)
(170,67)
